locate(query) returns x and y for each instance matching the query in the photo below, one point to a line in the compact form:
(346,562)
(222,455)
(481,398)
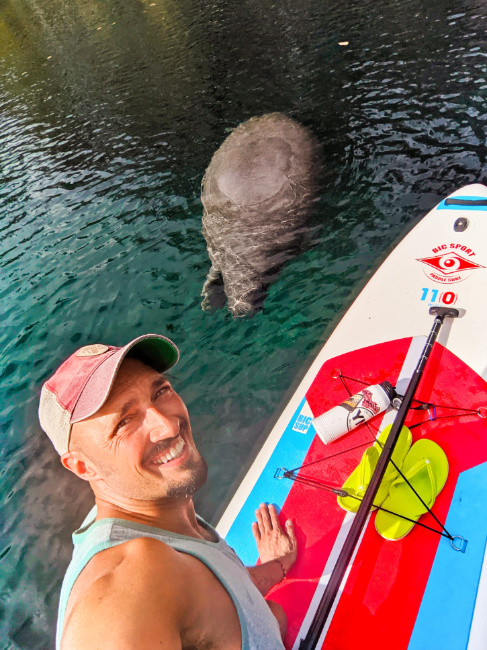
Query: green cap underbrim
(159,353)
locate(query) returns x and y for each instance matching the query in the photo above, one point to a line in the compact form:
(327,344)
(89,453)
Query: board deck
(416,592)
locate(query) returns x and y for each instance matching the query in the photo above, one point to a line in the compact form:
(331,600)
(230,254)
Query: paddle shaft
(312,637)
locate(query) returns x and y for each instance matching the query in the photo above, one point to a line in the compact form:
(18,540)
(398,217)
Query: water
(109,115)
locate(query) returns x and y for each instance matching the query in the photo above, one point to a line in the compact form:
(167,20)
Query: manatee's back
(257,192)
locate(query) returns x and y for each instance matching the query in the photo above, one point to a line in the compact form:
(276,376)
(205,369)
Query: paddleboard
(417,592)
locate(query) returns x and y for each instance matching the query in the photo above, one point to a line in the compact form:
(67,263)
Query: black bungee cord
(315,483)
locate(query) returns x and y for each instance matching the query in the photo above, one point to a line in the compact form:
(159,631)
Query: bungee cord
(339,491)
(311,482)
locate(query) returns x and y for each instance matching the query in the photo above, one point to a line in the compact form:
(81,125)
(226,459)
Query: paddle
(314,632)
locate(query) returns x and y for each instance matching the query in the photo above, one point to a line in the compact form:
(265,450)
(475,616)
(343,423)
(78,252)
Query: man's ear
(80,465)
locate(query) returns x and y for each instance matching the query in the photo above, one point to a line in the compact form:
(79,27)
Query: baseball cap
(81,385)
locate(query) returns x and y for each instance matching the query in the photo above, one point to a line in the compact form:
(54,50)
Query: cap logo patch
(92,350)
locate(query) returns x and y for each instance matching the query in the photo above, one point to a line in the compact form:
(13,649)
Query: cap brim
(155,350)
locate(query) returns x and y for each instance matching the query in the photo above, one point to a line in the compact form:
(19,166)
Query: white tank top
(260,630)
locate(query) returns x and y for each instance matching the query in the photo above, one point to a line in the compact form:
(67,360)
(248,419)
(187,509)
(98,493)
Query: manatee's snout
(257,193)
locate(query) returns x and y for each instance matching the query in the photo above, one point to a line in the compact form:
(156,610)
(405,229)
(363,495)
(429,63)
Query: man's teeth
(172,452)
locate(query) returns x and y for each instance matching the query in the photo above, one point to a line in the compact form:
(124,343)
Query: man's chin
(195,475)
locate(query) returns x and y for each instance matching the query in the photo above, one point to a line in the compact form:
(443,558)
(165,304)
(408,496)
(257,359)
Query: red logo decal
(449,263)
(449,267)
(368,402)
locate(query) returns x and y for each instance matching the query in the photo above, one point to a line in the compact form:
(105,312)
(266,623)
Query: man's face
(140,441)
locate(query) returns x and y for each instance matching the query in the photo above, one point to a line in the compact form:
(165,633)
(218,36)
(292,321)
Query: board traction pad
(386,594)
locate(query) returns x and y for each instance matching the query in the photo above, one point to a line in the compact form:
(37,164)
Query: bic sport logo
(449,266)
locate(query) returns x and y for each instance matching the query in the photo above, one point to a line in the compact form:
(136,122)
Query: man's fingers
(274,518)
(266,520)
(260,523)
(290,531)
(256,532)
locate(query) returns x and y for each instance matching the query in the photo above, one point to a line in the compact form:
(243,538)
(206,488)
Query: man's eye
(163,389)
(121,424)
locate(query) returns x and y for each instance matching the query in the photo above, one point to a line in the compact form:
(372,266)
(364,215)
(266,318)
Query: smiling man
(147,572)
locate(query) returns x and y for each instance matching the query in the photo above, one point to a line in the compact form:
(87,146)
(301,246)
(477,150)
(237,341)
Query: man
(147,572)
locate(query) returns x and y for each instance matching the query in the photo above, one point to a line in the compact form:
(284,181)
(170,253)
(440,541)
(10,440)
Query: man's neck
(173,515)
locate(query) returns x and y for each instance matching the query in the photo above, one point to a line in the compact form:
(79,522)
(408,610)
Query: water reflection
(109,114)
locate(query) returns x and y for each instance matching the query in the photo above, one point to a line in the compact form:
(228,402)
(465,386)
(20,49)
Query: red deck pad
(386,584)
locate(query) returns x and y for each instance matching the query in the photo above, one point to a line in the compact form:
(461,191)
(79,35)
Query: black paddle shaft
(312,637)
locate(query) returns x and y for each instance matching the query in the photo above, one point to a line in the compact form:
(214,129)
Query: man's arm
(265,576)
(277,548)
(139,604)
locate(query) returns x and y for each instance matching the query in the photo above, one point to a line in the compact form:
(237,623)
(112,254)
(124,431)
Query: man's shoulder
(140,561)
(143,549)
(123,585)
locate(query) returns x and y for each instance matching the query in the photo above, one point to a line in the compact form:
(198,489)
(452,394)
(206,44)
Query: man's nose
(161,426)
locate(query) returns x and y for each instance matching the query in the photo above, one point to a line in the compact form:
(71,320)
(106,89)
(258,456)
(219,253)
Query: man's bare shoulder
(139,561)
(129,596)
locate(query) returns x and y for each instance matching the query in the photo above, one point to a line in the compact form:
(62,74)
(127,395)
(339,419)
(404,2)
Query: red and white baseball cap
(81,385)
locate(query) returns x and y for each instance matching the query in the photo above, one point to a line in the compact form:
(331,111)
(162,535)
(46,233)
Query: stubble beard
(187,487)
(161,488)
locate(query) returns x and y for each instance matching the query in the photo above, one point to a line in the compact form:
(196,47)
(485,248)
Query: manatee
(257,194)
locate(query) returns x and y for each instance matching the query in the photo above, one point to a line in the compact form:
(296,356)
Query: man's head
(118,423)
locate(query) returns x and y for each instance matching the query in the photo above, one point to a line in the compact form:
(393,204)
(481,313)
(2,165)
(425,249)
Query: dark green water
(109,114)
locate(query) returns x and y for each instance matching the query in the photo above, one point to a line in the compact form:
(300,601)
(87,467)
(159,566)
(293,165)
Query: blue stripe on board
(289,452)
(447,608)
(442,206)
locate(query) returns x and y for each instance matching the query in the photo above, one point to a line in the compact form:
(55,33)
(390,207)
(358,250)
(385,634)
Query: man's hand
(274,543)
